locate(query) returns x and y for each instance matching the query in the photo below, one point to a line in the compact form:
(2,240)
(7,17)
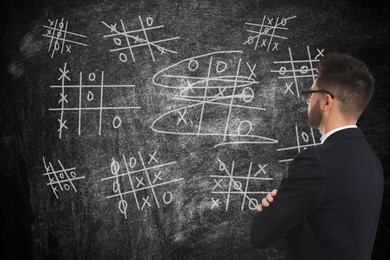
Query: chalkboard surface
(152,129)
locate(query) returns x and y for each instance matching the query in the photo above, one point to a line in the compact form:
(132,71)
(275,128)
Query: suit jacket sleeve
(300,193)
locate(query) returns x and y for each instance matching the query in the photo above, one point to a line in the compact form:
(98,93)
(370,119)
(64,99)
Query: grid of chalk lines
(204,83)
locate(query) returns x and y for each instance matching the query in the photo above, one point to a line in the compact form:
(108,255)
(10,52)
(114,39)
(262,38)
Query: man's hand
(267,200)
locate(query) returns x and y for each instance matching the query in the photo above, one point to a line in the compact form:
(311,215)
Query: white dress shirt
(325,136)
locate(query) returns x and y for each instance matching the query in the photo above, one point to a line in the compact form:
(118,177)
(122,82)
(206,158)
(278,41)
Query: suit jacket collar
(344,134)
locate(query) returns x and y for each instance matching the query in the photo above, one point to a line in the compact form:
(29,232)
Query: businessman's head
(341,91)
(349,80)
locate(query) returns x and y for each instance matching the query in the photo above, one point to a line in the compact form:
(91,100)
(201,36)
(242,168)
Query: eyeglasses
(307,94)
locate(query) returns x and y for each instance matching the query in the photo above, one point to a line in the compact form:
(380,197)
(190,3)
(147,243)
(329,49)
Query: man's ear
(328,102)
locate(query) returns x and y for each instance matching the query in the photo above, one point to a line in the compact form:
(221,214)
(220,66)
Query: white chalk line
(67,176)
(55,172)
(205,94)
(272,26)
(66,40)
(148,43)
(144,188)
(128,32)
(150,48)
(295,77)
(241,177)
(240,79)
(297,70)
(65,31)
(52,37)
(241,192)
(93,86)
(296,147)
(296,61)
(91,108)
(232,100)
(54,190)
(137,171)
(101,103)
(131,181)
(265,141)
(67,180)
(128,42)
(311,63)
(213,102)
(56,177)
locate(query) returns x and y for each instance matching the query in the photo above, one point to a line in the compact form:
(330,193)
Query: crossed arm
(299,194)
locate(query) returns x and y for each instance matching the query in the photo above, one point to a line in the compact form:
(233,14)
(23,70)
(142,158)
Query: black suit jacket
(328,206)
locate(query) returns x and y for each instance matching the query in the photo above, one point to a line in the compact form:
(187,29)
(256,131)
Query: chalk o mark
(305,137)
(132,162)
(116,122)
(237,185)
(122,57)
(169,199)
(284,21)
(56,45)
(248,94)
(149,21)
(221,66)
(90,96)
(114,167)
(92,76)
(122,206)
(193,65)
(116,186)
(253,204)
(282,70)
(304,69)
(245,124)
(250,39)
(117,41)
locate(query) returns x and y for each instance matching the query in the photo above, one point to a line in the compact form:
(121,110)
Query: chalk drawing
(303,140)
(294,70)
(62,179)
(135,39)
(62,40)
(213,84)
(269,32)
(90,98)
(134,176)
(228,185)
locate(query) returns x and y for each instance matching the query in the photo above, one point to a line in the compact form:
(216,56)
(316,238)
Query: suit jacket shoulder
(319,204)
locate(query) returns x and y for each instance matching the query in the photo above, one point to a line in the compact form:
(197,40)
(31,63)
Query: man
(328,206)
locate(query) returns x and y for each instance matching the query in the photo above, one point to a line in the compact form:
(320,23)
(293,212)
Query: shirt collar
(325,136)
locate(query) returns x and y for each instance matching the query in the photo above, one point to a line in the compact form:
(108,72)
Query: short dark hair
(348,79)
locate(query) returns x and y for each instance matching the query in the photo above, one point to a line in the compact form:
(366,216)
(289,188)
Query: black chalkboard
(152,129)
